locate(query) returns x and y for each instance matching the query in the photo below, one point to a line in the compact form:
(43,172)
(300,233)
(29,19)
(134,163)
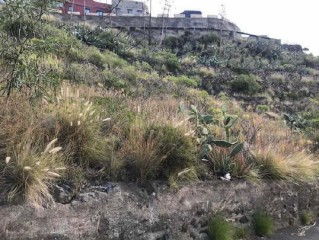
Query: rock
(204,236)
(62,194)
(244,219)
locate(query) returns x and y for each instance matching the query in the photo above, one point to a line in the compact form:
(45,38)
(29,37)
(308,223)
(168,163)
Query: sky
(294,22)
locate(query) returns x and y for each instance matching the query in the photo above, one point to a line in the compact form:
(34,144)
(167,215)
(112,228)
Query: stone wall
(157,212)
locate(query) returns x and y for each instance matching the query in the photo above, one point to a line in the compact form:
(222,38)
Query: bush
(245,84)
(263,224)
(220,229)
(183,80)
(84,73)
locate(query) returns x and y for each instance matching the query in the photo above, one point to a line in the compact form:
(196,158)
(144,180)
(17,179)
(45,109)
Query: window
(86,10)
(99,12)
(70,9)
(139,12)
(130,11)
(117,10)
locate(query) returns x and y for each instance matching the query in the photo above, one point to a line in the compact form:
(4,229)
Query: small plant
(306,218)
(263,224)
(220,229)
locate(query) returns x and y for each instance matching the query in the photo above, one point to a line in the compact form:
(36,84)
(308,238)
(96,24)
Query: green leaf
(238,148)
(207,119)
(224,144)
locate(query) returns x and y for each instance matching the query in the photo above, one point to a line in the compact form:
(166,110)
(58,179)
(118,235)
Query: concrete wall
(141,22)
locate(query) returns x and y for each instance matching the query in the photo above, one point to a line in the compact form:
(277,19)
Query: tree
(21,45)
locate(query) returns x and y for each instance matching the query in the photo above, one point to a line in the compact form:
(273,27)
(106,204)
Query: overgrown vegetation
(119,109)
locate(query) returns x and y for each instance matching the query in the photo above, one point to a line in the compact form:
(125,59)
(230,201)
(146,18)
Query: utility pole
(72,9)
(150,25)
(84,11)
(166,10)
(222,14)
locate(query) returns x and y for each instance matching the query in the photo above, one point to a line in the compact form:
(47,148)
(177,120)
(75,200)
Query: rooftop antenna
(222,11)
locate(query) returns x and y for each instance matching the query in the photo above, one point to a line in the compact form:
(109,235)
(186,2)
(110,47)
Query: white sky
(294,21)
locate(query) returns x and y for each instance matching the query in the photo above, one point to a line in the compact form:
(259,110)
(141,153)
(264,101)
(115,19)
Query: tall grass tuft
(220,229)
(29,173)
(293,166)
(263,224)
(77,125)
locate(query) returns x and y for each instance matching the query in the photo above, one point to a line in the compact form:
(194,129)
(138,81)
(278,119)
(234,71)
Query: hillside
(81,107)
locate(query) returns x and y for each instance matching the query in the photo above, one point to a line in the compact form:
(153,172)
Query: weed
(220,229)
(263,224)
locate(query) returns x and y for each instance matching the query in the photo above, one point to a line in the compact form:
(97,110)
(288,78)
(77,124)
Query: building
(85,7)
(129,8)
(189,13)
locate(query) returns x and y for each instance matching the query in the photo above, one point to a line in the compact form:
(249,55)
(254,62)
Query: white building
(129,8)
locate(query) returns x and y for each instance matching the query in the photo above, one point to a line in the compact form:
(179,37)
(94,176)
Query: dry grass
(30,173)
(141,153)
(294,166)
(77,125)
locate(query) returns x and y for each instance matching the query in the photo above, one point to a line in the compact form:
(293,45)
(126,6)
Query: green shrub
(263,224)
(83,73)
(95,57)
(113,80)
(245,84)
(306,218)
(112,60)
(262,108)
(220,229)
(183,80)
